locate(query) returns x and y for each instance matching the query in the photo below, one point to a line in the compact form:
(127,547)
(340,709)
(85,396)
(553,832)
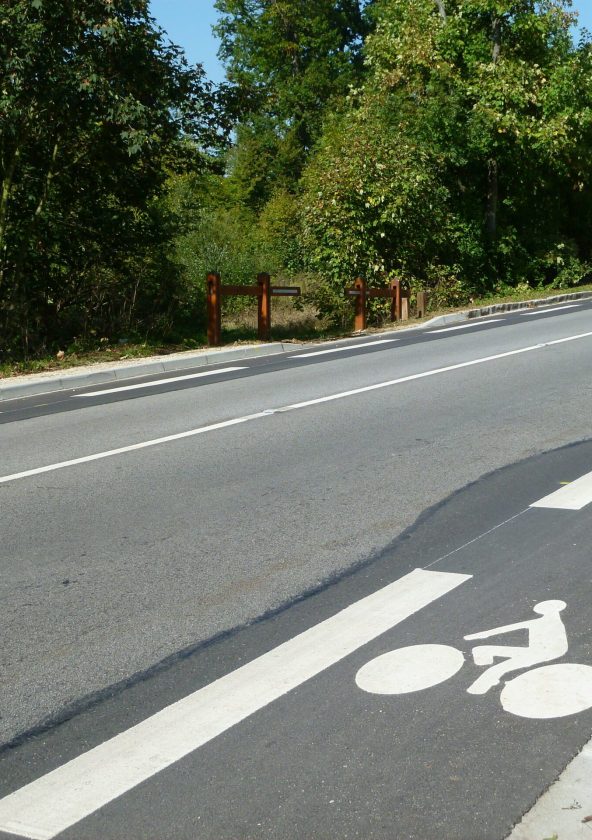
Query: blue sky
(189,24)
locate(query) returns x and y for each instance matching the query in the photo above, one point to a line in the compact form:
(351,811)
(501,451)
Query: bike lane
(328,758)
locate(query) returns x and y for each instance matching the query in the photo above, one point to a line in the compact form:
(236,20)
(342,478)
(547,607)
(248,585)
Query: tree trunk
(20,283)
(496,38)
(441,8)
(492,199)
(492,163)
(4,208)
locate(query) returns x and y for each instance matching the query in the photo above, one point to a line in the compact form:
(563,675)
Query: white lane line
(60,799)
(434,372)
(294,407)
(574,496)
(553,309)
(466,326)
(159,382)
(343,349)
(133,447)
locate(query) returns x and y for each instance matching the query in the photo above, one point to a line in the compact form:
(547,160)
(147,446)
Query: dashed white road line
(156,382)
(60,799)
(466,326)
(343,349)
(293,407)
(574,496)
(552,309)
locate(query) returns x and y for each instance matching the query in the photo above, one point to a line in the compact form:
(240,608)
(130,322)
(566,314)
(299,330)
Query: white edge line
(343,349)
(134,446)
(63,797)
(294,407)
(153,384)
(553,309)
(466,326)
(433,372)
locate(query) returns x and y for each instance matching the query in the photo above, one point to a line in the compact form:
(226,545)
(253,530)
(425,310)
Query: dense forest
(447,142)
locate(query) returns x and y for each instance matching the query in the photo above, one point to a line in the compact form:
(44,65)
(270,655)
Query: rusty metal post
(394,290)
(360,304)
(214,305)
(264,307)
(396,301)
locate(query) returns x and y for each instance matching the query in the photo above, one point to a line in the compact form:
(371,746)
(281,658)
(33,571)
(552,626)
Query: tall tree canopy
(96,110)
(289,62)
(476,121)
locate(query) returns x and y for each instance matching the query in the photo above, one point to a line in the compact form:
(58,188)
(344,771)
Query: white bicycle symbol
(545,692)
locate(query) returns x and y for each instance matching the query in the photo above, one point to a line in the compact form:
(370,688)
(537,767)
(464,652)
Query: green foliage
(448,142)
(96,108)
(465,155)
(376,204)
(288,63)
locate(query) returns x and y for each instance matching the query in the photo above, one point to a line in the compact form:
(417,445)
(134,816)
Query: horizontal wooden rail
(241,290)
(263,291)
(397,292)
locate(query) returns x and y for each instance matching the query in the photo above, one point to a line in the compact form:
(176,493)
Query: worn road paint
(573,496)
(343,349)
(434,372)
(49,805)
(553,309)
(466,326)
(293,407)
(184,378)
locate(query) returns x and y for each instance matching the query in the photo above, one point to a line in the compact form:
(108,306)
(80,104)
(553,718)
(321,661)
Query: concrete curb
(458,317)
(30,386)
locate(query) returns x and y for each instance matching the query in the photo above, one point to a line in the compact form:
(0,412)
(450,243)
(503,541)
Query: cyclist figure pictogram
(547,640)
(540,692)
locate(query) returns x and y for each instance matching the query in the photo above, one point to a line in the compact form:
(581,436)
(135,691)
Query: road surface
(225,545)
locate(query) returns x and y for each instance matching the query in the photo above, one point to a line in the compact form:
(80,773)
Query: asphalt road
(134,578)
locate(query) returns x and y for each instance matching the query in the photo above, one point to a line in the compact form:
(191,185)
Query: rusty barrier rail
(264,291)
(397,291)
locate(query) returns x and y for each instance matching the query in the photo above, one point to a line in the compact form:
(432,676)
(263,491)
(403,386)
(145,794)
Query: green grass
(96,356)
(522,294)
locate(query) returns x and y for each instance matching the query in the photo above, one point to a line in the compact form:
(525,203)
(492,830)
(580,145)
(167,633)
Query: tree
(495,100)
(289,62)
(96,111)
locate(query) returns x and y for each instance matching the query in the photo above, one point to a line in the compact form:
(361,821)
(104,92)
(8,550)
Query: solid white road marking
(573,496)
(294,407)
(133,447)
(562,808)
(343,349)
(552,309)
(548,692)
(465,326)
(409,669)
(434,372)
(160,382)
(65,796)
